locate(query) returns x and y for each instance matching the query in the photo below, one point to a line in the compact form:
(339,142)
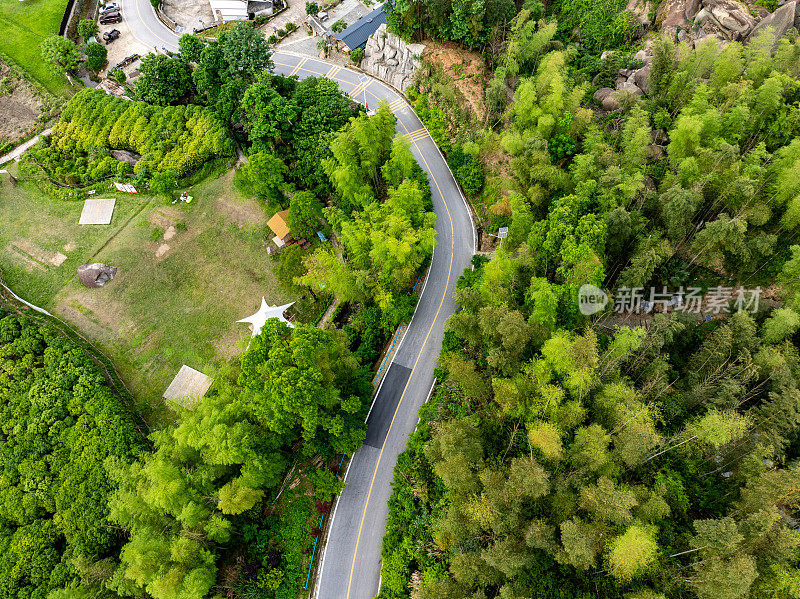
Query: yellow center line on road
(417,135)
(413,136)
(419,355)
(333,78)
(298,67)
(331,74)
(155,35)
(397,105)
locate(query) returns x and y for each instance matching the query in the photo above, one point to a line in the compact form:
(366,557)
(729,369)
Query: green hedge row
(178,138)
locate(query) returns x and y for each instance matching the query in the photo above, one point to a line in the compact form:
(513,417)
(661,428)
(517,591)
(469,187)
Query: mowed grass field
(23,26)
(187,273)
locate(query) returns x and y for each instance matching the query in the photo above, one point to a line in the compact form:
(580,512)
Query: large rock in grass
(640,9)
(96,274)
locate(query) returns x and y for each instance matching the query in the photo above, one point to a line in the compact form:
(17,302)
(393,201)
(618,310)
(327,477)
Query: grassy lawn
(187,273)
(23,25)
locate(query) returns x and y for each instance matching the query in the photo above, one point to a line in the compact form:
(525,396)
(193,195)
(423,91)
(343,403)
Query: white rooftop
(229,10)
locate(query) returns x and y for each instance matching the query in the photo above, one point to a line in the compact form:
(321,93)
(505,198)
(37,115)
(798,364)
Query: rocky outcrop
(732,16)
(390,59)
(671,16)
(640,9)
(605,97)
(635,82)
(783,19)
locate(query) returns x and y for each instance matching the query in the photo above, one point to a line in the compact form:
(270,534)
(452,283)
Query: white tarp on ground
(97,211)
(188,386)
(229,10)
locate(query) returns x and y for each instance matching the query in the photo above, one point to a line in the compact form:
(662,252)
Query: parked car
(111,18)
(128,60)
(109,8)
(110,36)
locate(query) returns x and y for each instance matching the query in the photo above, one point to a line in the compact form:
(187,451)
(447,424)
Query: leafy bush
(601,24)
(338,26)
(435,120)
(467,169)
(87,28)
(272,39)
(312,8)
(280,33)
(357,55)
(96,55)
(118,75)
(290,27)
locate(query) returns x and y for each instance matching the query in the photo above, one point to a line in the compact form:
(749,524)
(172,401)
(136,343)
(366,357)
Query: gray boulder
(731,15)
(671,16)
(632,88)
(780,21)
(642,78)
(640,9)
(96,274)
(605,98)
(692,6)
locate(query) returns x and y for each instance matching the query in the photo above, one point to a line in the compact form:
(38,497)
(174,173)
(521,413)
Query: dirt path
(22,148)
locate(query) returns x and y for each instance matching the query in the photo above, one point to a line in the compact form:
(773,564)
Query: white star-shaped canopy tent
(260,318)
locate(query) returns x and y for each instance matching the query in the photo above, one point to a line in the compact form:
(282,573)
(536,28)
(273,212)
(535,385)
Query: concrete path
(22,148)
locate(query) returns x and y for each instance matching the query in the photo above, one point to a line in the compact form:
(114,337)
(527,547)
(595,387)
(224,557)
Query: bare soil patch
(466,69)
(20,106)
(242,211)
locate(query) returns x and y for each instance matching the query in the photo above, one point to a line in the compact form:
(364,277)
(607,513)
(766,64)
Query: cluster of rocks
(628,81)
(390,59)
(727,20)
(693,21)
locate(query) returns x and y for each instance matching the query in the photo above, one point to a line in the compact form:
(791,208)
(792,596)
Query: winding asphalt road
(350,566)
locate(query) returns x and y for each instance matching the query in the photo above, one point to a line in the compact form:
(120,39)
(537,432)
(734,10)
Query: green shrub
(87,28)
(357,55)
(435,120)
(96,55)
(338,26)
(312,8)
(123,168)
(600,24)
(467,169)
(280,33)
(272,39)
(118,75)
(291,27)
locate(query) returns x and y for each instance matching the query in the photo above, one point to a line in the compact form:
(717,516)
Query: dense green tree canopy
(164,80)
(61,424)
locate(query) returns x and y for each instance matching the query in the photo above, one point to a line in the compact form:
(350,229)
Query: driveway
(350,563)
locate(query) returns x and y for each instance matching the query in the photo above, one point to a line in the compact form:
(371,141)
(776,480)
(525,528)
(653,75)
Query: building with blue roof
(358,33)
